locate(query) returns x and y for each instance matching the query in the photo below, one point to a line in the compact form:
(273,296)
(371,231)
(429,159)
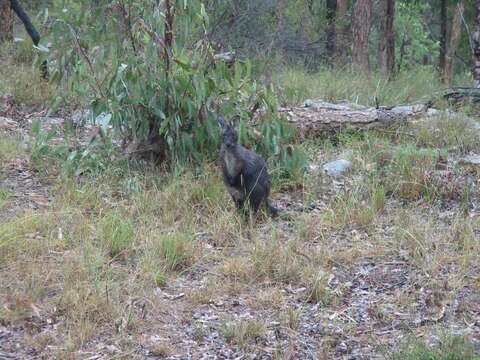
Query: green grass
(455,133)
(417,86)
(408,172)
(175,250)
(449,348)
(5,195)
(116,234)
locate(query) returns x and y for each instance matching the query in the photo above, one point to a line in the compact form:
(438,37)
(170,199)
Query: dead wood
(460,94)
(318,117)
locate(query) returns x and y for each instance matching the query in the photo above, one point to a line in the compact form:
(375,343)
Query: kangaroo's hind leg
(257,196)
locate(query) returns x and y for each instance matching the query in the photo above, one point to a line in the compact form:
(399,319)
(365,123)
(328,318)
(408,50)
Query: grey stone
(470,160)
(337,168)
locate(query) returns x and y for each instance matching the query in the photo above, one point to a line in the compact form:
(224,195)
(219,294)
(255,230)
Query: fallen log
(319,117)
(459,94)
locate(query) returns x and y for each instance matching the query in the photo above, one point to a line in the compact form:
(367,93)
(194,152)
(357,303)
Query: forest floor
(134,262)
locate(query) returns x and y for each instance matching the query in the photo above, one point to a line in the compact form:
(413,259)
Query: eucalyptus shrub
(115,56)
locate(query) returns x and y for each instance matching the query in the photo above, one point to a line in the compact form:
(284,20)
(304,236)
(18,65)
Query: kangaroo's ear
(221,122)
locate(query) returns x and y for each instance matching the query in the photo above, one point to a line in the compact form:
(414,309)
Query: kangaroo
(244,172)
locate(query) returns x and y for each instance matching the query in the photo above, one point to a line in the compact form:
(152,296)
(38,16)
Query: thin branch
(85,56)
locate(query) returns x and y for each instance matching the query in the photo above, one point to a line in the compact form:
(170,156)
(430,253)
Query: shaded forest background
(317,33)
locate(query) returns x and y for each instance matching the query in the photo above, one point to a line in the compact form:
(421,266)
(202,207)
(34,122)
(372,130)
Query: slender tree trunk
(6,21)
(443,36)
(32,32)
(386,47)
(280,15)
(454,41)
(331,14)
(341,32)
(362,18)
(22,15)
(476,47)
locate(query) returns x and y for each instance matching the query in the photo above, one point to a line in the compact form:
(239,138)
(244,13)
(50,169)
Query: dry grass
(20,78)
(243,332)
(9,148)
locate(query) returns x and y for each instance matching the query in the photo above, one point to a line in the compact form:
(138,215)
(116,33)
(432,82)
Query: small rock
(81,117)
(470,160)
(337,168)
(433,112)
(308,103)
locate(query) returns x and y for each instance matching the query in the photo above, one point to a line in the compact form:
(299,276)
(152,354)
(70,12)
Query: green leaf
(36,127)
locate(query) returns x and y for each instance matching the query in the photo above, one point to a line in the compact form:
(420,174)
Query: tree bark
(330,16)
(476,47)
(443,37)
(362,18)
(341,32)
(6,21)
(454,41)
(280,17)
(386,47)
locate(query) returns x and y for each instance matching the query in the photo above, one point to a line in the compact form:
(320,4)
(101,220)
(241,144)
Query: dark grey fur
(244,172)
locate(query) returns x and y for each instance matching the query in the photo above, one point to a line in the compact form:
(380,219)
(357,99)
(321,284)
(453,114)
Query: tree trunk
(330,15)
(280,17)
(341,32)
(443,36)
(362,17)
(6,21)
(454,41)
(476,47)
(22,15)
(32,32)
(386,48)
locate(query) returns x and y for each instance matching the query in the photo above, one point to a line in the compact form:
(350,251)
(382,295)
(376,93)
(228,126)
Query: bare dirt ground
(412,272)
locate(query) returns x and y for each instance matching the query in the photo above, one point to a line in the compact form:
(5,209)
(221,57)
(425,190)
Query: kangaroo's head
(229,133)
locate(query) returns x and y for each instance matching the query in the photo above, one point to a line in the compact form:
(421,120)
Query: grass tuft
(243,332)
(176,250)
(449,348)
(21,78)
(9,148)
(116,234)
